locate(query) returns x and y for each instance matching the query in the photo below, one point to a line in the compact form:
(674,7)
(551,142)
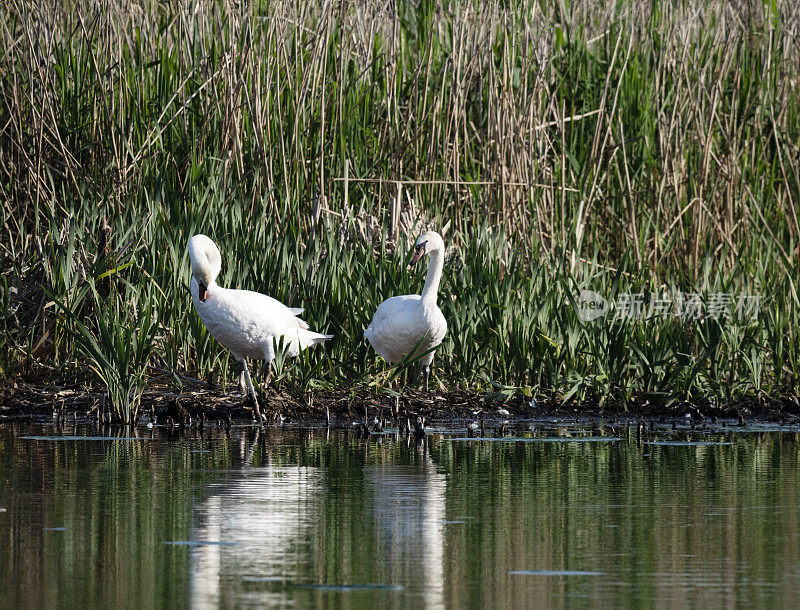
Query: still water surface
(292,518)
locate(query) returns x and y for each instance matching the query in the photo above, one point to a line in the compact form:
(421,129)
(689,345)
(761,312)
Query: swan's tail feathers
(296,310)
(305,339)
(311,338)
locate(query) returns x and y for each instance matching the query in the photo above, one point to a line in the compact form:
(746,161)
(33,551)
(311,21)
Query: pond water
(287,517)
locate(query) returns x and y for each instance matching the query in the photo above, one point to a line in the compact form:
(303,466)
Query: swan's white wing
(247,322)
(269,313)
(396,327)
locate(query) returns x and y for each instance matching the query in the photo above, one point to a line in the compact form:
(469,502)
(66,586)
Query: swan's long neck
(435,264)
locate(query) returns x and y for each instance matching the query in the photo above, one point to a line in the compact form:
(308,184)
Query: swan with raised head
(247,323)
(403,322)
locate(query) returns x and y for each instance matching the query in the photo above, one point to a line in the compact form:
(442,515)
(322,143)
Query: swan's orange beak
(419,252)
(202,292)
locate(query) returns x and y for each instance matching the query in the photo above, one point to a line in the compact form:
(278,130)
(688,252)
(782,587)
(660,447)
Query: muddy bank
(346,408)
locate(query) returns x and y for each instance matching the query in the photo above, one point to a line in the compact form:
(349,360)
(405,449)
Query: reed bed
(629,148)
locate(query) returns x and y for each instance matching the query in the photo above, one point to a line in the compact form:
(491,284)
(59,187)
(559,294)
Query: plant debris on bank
(346,409)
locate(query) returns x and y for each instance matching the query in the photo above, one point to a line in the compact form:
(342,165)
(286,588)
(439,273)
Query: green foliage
(617,149)
(116,346)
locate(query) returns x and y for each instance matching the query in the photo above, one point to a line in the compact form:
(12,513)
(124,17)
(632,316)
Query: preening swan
(400,323)
(247,323)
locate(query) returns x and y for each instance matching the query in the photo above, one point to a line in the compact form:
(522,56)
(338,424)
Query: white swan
(247,323)
(401,323)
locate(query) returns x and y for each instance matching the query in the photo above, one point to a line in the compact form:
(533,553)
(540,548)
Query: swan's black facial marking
(419,252)
(202,292)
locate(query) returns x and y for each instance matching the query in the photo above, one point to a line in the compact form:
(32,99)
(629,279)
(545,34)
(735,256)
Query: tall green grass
(634,147)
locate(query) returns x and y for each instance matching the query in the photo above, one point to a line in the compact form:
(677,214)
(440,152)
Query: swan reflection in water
(273,523)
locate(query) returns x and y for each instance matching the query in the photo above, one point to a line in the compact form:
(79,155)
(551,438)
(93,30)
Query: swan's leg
(426,369)
(242,383)
(252,389)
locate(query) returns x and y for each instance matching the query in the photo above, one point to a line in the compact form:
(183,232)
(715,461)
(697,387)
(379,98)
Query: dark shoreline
(340,409)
